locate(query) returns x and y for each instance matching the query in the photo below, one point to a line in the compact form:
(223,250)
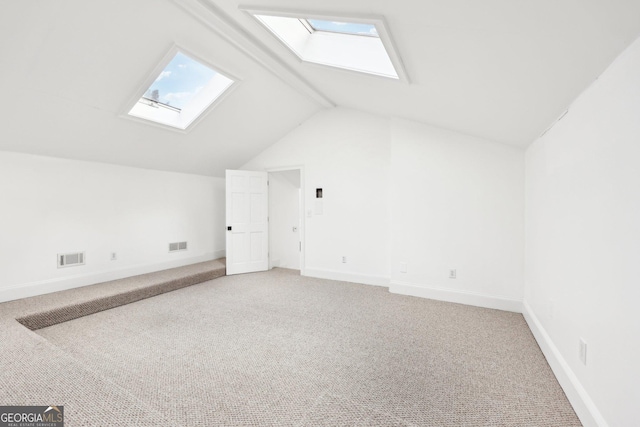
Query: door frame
(301,211)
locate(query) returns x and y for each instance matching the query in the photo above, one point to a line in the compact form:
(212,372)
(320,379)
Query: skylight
(180,92)
(343,27)
(356,44)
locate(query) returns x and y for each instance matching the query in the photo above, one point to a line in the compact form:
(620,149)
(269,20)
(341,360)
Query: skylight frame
(314,28)
(153,75)
(378,21)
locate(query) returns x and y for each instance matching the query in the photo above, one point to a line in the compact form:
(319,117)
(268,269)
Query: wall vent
(177,246)
(71,259)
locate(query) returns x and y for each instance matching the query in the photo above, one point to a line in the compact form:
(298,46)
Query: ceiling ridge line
(256,50)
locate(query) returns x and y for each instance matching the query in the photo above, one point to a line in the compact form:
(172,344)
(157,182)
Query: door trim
(302,211)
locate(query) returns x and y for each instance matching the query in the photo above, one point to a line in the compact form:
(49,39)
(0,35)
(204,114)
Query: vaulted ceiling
(500,69)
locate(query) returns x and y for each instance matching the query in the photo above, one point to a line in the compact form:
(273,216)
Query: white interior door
(247,223)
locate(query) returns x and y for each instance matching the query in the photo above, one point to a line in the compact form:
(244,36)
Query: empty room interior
(305,213)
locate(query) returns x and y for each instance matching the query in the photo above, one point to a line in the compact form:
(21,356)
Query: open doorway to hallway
(285,219)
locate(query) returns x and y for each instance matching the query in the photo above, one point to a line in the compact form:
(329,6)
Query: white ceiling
(70,67)
(499,69)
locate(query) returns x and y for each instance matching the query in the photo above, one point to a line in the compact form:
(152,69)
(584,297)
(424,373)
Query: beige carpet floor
(278,349)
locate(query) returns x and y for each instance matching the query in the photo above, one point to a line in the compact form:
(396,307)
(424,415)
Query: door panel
(247,202)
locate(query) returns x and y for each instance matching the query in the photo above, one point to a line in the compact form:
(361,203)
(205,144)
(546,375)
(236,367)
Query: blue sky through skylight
(344,27)
(180,80)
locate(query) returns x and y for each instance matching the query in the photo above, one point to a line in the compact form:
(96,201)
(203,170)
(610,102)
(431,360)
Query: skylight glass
(364,46)
(181,79)
(344,27)
(181,92)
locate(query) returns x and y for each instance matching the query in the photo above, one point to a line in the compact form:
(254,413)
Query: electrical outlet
(403,267)
(452,273)
(114,256)
(344,259)
(582,351)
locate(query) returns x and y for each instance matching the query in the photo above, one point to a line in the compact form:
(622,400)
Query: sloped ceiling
(70,67)
(499,69)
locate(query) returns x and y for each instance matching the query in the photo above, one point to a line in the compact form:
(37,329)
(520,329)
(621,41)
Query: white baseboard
(586,410)
(346,277)
(25,290)
(460,297)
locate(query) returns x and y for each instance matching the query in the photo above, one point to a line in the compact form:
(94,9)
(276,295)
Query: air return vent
(177,246)
(70,260)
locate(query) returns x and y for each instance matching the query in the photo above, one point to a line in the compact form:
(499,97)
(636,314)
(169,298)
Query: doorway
(285,219)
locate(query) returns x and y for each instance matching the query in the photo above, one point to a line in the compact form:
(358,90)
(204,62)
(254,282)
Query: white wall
(398,191)
(583,245)
(284,216)
(457,202)
(346,153)
(52,206)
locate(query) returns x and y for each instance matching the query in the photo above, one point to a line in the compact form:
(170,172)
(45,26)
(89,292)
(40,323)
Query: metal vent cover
(70,259)
(177,246)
